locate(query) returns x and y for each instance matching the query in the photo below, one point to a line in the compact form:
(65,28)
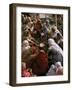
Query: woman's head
(54,28)
(58,64)
(51,42)
(25,43)
(52,66)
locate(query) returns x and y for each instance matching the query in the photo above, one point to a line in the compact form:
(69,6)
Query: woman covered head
(54,28)
(51,42)
(25,50)
(58,64)
(52,66)
(59,68)
(55,33)
(53,45)
(25,43)
(51,71)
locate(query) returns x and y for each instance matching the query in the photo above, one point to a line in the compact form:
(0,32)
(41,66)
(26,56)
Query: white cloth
(51,71)
(54,46)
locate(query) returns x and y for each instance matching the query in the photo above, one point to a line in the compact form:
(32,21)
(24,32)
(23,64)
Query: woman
(40,64)
(54,33)
(51,71)
(54,46)
(55,53)
(26,51)
(29,53)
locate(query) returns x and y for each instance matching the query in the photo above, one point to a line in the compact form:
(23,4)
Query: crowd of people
(42,46)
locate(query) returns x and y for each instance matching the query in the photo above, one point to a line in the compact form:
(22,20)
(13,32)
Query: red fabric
(41,65)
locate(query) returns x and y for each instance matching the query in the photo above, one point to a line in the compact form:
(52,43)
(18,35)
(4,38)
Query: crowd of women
(42,47)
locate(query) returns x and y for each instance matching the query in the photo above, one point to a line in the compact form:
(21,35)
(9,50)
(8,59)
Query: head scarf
(25,45)
(53,45)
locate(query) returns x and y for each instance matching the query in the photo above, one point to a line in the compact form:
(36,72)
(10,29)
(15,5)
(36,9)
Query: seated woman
(40,64)
(55,69)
